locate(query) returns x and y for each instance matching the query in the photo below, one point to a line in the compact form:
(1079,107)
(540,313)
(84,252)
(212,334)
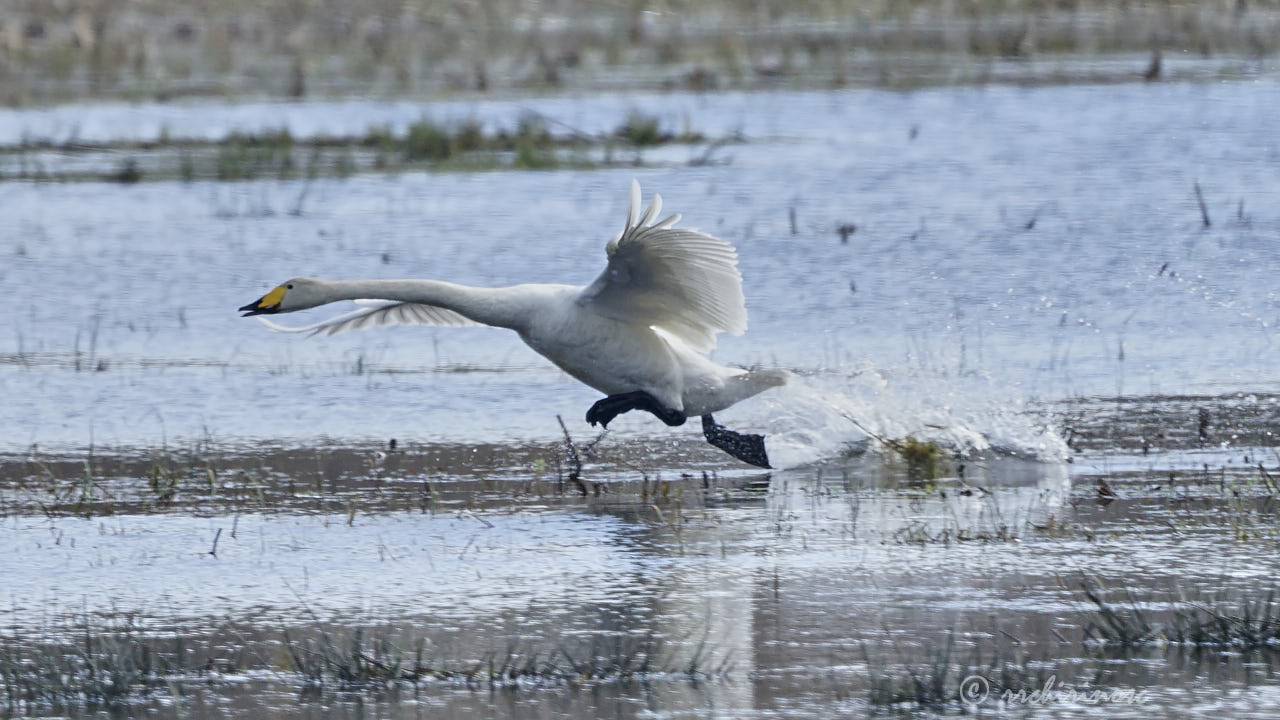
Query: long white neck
(507,307)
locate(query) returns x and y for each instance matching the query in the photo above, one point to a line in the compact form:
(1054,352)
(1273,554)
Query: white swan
(636,334)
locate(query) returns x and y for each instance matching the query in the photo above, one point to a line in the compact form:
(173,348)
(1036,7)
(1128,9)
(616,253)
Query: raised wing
(683,282)
(373,313)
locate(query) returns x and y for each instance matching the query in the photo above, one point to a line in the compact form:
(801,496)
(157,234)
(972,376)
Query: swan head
(289,296)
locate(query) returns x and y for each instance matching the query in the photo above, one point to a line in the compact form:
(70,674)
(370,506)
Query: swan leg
(746,447)
(606,409)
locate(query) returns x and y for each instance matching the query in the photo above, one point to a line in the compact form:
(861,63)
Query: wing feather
(682,281)
(374,313)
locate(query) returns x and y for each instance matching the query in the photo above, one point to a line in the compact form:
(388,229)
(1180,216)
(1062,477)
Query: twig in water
(1266,478)
(576,133)
(296,210)
(576,474)
(214,550)
(1204,211)
(590,447)
(705,158)
(1153,68)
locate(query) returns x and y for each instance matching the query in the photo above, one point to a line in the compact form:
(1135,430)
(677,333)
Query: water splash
(821,416)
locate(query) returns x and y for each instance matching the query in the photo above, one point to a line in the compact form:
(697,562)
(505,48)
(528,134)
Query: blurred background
(58,50)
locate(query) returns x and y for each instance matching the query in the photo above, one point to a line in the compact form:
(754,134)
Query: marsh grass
(1247,623)
(931,679)
(928,685)
(117,664)
(423,145)
(354,660)
(109,666)
(188,48)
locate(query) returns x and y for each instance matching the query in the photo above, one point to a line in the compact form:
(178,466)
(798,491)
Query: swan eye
(289,286)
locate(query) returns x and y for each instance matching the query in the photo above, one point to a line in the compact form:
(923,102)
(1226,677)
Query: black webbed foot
(746,447)
(606,409)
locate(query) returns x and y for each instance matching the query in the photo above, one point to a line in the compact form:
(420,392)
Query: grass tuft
(1246,624)
(924,459)
(640,130)
(427,141)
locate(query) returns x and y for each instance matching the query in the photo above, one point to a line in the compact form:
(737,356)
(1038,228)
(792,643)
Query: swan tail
(754,382)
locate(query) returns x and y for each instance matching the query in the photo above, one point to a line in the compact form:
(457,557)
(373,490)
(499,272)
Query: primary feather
(681,281)
(378,312)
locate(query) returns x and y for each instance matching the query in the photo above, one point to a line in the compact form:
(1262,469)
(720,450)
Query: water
(1030,284)
(943,285)
(806,588)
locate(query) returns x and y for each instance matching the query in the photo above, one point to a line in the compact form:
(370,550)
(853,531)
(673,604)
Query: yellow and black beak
(265,305)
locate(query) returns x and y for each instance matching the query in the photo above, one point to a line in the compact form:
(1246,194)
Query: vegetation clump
(426,140)
(641,130)
(924,458)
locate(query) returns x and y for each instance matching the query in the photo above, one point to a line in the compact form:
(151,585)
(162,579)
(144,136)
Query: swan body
(641,327)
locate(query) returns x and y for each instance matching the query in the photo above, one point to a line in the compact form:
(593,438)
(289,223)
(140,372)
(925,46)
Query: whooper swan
(638,333)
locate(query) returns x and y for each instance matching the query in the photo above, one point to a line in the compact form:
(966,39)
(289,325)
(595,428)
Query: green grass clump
(469,137)
(533,144)
(924,459)
(640,129)
(244,156)
(427,141)
(279,139)
(379,137)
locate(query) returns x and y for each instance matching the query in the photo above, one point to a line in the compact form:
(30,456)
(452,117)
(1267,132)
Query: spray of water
(820,416)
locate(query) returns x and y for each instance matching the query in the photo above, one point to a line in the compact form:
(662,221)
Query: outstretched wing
(681,281)
(373,313)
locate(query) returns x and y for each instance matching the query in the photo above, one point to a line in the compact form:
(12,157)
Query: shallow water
(799,592)
(944,297)
(1030,284)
